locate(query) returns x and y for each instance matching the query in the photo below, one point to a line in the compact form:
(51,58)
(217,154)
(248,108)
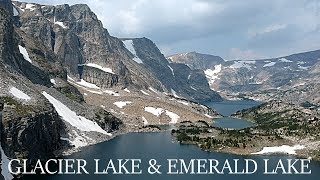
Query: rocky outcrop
(30,132)
(178,79)
(107,121)
(78,38)
(196,60)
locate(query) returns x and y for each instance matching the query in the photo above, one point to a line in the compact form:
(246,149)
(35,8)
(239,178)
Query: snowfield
(171,69)
(4,165)
(174,117)
(30,7)
(145,93)
(94,92)
(153,90)
(280,149)
(61,24)
(212,75)
(183,102)
(79,140)
(15,11)
(145,122)
(284,60)
(71,117)
(158,111)
(121,104)
(105,69)
(174,93)
(269,64)
(242,64)
(87,84)
(19,94)
(155,111)
(129,45)
(127,90)
(25,54)
(112,93)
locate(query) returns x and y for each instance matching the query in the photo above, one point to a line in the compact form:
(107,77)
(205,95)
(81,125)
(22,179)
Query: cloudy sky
(232,29)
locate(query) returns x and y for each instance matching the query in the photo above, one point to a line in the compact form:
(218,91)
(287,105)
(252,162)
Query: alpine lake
(161,147)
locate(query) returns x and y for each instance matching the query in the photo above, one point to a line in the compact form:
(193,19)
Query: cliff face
(178,79)
(31,127)
(35,135)
(78,38)
(88,51)
(197,60)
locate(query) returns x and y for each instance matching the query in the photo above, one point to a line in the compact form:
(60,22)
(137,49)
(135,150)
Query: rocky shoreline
(249,141)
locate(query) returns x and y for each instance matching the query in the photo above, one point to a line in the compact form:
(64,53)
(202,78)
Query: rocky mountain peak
(82,11)
(196,60)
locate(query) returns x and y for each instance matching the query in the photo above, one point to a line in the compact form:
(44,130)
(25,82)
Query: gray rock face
(186,82)
(36,136)
(6,4)
(76,36)
(196,60)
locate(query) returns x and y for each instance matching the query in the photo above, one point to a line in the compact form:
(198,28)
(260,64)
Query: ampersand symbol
(153,168)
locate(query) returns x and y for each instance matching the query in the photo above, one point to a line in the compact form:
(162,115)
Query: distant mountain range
(246,77)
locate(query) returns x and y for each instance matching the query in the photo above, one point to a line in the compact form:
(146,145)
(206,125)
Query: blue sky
(232,29)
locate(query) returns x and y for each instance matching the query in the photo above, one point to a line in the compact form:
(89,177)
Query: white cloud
(268,29)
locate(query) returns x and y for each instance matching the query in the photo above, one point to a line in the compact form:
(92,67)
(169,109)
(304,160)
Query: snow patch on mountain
(269,64)
(280,149)
(71,117)
(60,24)
(145,93)
(105,69)
(242,64)
(174,93)
(30,7)
(171,69)
(284,60)
(87,84)
(78,140)
(112,93)
(121,104)
(158,111)
(19,94)
(25,54)
(4,165)
(303,67)
(174,117)
(212,75)
(183,102)
(15,11)
(145,121)
(129,45)
(127,90)
(155,111)
(153,90)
